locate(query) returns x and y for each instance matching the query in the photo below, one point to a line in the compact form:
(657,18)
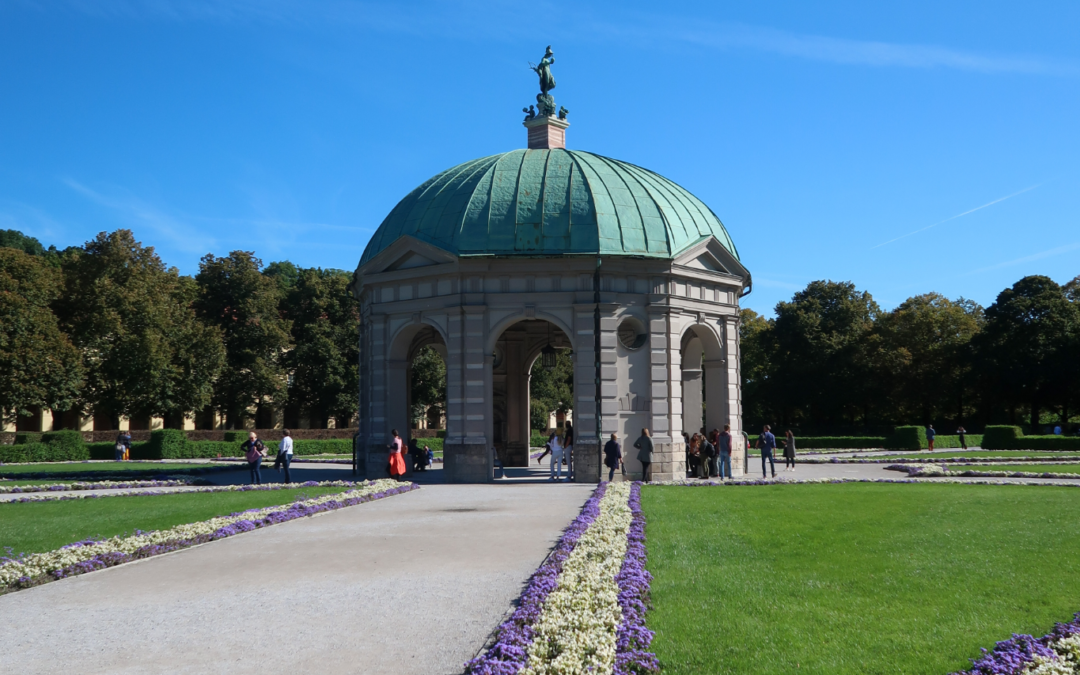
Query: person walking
(962,433)
(612,456)
(645,449)
(556,457)
(930,433)
(766,442)
(547,447)
(284,455)
(789,451)
(123,446)
(396,463)
(430,456)
(724,447)
(254,451)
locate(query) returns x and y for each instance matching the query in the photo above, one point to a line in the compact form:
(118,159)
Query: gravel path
(410,584)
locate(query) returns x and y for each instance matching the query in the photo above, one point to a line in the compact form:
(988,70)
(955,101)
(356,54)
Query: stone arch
(702,364)
(500,326)
(518,343)
(404,346)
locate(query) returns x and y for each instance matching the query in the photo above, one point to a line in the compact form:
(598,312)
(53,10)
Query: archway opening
(531,362)
(418,391)
(704,404)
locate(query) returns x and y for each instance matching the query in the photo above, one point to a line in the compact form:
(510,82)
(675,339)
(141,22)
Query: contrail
(957,216)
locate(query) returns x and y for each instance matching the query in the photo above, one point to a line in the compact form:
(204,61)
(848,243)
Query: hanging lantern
(547,356)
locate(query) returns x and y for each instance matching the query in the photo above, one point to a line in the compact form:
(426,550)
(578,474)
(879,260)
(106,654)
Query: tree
(145,351)
(1026,349)
(755,348)
(428,384)
(38,364)
(820,379)
(553,389)
(924,351)
(238,299)
(325,320)
(18,240)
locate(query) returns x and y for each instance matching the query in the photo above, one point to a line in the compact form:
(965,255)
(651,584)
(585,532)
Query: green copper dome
(551,202)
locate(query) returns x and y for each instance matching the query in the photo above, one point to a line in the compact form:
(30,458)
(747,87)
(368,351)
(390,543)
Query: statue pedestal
(546,133)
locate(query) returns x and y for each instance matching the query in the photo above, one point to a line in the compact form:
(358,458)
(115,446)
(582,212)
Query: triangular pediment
(707,261)
(410,260)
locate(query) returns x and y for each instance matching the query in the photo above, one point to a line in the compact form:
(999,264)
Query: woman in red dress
(397,462)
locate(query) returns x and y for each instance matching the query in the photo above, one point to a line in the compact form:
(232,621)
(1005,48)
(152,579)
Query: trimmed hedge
(907,438)
(24,437)
(953,441)
(1013,438)
(236,436)
(55,446)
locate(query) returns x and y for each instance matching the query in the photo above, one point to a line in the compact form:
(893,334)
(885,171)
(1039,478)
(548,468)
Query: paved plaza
(410,584)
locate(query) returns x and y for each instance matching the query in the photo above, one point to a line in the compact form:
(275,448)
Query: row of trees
(832,361)
(108,329)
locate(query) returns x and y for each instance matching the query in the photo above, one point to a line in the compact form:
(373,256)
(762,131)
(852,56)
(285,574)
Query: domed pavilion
(501,260)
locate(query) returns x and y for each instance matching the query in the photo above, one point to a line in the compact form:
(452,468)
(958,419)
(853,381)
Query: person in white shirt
(556,458)
(284,456)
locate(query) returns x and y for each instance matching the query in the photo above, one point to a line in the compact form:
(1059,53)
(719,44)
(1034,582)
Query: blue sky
(921,147)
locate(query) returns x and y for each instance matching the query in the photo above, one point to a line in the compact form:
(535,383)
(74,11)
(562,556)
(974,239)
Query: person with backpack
(284,456)
(708,458)
(767,443)
(123,446)
(254,451)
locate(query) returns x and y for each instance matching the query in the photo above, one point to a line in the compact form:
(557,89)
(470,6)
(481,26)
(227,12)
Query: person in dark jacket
(708,458)
(123,445)
(930,434)
(789,451)
(645,449)
(962,433)
(612,456)
(767,443)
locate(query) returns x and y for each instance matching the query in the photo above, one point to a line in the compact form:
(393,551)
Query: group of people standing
(255,450)
(709,455)
(561,450)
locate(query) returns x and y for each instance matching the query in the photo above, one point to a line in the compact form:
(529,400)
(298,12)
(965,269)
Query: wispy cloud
(495,20)
(959,215)
(1049,253)
(198,234)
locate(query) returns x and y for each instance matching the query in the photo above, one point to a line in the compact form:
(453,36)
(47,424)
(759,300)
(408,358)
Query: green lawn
(985,454)
(1027,468)
(43,526)
(90,468)
(855,578)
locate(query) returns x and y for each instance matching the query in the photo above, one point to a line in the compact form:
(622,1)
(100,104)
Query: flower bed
(931,471)
(89,555)
(61,496)
(94,485)
(583,609)
(1057,653)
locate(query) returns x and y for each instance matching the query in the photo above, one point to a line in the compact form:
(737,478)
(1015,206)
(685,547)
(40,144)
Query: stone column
(375,454)
(691,402)
(732,384)
(517,401)
(669,451)
(467,453)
